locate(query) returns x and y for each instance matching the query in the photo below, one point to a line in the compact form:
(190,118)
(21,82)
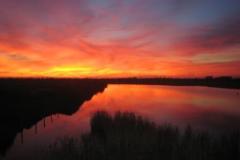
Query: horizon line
(130,77)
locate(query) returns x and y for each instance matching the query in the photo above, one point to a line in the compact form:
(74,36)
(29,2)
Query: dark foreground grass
(127,136)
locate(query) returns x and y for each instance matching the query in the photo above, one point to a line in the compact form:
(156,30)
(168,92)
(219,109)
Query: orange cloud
(115,39)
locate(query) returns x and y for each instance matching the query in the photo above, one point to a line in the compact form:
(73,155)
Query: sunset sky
(119,38)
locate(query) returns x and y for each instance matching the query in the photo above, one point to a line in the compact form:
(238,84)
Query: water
(201,107)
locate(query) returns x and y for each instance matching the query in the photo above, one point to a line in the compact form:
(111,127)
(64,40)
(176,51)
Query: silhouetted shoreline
(24,102)
(217,82)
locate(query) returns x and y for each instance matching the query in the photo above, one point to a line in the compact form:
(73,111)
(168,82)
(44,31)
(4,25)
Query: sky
(119,38)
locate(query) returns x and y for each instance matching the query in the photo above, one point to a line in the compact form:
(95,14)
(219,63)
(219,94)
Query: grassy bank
(127,136)
(24,102)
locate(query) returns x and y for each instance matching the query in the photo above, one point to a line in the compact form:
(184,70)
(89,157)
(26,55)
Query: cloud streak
(119,38)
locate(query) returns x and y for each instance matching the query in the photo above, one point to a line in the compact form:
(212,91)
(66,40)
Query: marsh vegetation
(128,136)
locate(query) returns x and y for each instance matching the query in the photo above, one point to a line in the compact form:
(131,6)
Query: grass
(127,136)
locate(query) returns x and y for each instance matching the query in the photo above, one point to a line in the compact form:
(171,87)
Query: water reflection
(201,107)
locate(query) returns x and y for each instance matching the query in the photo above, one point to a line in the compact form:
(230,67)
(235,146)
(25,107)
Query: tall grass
(127,136)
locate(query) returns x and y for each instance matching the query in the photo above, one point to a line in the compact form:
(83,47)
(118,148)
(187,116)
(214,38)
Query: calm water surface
(201,107)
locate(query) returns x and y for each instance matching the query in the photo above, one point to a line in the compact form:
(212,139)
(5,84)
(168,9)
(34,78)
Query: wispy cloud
(129,37)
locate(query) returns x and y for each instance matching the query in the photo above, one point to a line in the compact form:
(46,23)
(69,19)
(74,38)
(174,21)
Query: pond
(203,108)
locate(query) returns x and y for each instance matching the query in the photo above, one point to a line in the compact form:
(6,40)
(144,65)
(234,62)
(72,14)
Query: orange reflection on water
(165,104)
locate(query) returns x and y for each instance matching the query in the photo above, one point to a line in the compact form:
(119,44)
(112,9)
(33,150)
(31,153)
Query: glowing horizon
(114,38)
